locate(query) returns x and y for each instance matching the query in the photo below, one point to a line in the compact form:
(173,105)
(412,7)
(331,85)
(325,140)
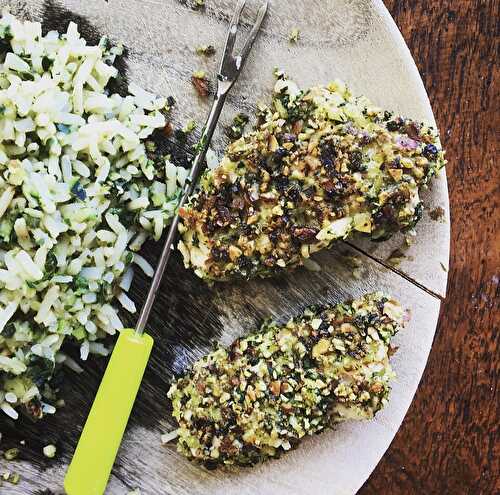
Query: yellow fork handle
(102,434)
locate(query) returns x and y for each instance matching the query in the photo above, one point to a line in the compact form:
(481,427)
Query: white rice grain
(143,265)
(47,302)
(126,302)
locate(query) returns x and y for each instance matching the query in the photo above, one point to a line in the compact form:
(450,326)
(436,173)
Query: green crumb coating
(320,165)
(268,390)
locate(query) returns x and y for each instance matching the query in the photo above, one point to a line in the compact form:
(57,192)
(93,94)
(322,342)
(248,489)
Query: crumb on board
(168,437)
(355,265)
(200,82)
(410,238)
(237,127)
(294,35)
(189,127)
(10,477)
(206,50)
(50,451)
(168,130)
(396,257)
(11,454)
(437,214)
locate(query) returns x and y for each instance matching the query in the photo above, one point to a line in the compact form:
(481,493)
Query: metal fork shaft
(229,71)
(189,186)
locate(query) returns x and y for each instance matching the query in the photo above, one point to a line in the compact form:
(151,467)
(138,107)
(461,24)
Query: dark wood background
(449,442)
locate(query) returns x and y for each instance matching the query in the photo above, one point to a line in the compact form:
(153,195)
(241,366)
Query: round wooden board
(355,40)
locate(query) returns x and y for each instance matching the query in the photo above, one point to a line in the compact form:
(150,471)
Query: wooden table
(446,444)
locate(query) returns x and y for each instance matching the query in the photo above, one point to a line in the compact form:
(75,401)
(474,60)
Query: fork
(229,69)
(90,468)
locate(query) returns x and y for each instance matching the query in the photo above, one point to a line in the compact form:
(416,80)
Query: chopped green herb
(5,32)
(80,283)
(50,265)
(9,330)
(200,144)
(47,63)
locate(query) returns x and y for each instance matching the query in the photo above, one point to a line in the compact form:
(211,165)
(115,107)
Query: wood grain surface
(449,442)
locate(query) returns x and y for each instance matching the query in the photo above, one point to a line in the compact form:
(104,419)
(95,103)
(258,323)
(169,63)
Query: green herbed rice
(78,197)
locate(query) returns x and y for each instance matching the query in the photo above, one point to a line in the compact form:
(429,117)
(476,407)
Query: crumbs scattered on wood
(236,129)
(392,350)
(169,437)
(201,83)
(206,50)
(10,477)
(11,454)
(355,264)
(358,273)
(189,127)
(199,4)
(437,214)
(168,106)
(351,261)
(168,130)
(294,35)
(410,238)
(396,257)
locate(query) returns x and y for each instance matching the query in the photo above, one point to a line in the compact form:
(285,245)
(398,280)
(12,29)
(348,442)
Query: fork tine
(253,34)
(233,28)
